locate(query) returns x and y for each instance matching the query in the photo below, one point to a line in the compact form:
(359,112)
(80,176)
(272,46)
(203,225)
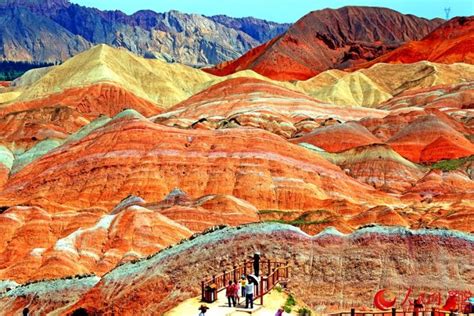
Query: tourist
(249,294)
(243,283)
(230,293)
(236,292)
(417,307)
(280,311)
(256,264)
(203,309)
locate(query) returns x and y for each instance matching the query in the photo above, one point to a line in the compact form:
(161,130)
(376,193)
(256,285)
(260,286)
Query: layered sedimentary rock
(328,271)
(6,163)
(450,43)
(256,103)
(56,116)
(46,134)
(339,137)
(381,82)
(55,295)
(131,155)
(339,87)
(153,80)
(386,127)
(329,39)
(207,211)
(24,129)
(104,73)
(430,139)
(445,185)
(38,245)
(448,98)
(378,166)
(93,100)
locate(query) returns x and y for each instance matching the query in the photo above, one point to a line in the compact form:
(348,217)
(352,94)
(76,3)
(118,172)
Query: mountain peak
(36,3)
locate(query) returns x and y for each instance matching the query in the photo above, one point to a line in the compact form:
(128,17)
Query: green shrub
(450,165)
(262,212)
(289,304)
(304,311)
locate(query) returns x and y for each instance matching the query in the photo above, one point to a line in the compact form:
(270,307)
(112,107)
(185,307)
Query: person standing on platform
(249,290)
(256,264)
(243,283)
(230,294)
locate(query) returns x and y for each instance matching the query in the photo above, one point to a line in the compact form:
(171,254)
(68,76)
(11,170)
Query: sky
(281,10)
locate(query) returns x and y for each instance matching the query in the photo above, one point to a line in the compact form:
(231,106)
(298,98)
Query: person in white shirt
(249,290)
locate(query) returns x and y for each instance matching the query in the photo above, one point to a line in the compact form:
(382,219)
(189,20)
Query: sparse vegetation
(289,304)
(70,277)
(263,212)
(194,236)
(453,164)
(303,311)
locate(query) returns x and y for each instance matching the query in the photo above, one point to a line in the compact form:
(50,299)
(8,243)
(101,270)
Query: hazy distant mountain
(53,30)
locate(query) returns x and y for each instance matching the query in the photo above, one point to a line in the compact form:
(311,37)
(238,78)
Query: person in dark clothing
(80,312)
(26,311)
(417,307)
(256,264)
(203,309)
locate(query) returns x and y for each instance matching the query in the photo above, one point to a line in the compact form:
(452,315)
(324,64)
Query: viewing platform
(269,275)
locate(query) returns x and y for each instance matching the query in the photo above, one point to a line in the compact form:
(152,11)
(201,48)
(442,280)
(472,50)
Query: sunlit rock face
(429,139)
(327,39)
(249,102)
(451,42)
(131,155)
(38,245)
(112,165)
(339,137)
(327,270)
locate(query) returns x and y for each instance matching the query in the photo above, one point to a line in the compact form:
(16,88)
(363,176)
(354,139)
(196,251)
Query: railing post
(353,311)
(235,274)
(394,312)
(287,270)
(245,267)
(261,290)
(433,311)
(224,279)
(269,267)
(202,290)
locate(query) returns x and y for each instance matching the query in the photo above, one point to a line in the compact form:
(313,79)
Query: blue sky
(282,10)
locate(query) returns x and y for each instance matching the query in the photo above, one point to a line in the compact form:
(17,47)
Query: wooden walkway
(271,274)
